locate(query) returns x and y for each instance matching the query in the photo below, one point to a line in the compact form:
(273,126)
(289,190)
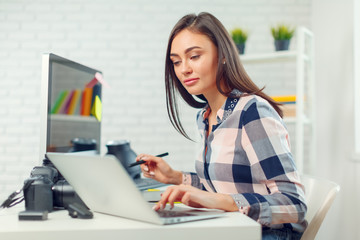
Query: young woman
(245,162)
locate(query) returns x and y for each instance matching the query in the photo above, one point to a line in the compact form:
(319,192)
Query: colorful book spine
(86,102)
(59,102)
(82,100)
(73,102)
(78,104)
(96,92)
(66,104)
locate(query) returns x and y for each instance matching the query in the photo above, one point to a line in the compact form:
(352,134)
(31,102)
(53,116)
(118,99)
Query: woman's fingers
(147,175)
(174,194)
(186,199)
(149,166)
(165,198)
(158,169)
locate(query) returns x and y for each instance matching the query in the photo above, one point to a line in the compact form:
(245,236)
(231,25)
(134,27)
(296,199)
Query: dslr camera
(48,190)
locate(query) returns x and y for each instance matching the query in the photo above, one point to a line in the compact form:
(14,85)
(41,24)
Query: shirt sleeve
(266,143)
(190,178)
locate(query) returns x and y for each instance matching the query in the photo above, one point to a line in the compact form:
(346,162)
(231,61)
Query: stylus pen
(142,161)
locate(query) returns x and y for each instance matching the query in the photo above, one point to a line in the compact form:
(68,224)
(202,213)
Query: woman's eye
(176,63)
(194,57)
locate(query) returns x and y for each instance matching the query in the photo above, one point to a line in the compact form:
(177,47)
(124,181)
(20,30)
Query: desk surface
(61,226)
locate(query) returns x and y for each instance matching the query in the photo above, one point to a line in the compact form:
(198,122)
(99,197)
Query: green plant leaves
(239,35)
(282,32)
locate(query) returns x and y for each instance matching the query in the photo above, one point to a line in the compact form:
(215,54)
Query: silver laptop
(105,187)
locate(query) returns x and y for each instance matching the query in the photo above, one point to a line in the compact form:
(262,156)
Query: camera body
(48,190)
(38,195)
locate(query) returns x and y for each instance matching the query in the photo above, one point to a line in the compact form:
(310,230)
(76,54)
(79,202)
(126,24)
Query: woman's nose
(186,68)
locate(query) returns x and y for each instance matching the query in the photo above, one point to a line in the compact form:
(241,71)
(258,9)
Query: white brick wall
(127,41)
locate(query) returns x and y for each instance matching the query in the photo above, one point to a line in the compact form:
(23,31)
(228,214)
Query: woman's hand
(158,169)
(195,197)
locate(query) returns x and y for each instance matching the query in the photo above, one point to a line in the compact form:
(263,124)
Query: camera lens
(64,194)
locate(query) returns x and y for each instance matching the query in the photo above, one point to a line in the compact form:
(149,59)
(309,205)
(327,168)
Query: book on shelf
(59,102)
(95,92)
(78,103)
(74,102)
(66,104)
(86,102)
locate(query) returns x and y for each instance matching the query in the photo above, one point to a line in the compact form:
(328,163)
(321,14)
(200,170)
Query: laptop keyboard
(146,183)
(169,213)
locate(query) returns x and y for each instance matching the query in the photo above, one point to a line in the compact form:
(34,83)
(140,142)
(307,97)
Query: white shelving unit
(303,57)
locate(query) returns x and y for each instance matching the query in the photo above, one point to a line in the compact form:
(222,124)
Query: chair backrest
(319,194)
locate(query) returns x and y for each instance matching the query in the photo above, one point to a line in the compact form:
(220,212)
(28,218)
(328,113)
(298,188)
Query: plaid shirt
(247,155)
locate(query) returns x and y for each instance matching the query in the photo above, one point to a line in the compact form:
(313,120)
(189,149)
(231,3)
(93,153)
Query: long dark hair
(232,73)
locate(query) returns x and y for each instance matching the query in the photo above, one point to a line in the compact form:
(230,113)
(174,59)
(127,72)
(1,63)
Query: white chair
(319,195)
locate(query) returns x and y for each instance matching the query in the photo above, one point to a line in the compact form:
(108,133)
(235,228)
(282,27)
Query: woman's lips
(190,81)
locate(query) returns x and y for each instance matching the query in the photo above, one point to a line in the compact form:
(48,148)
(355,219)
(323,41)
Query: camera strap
(12,200)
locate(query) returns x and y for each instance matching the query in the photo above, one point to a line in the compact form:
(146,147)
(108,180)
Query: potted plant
(239,36)
(282,35)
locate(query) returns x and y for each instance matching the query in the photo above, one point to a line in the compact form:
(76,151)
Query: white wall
(332,23)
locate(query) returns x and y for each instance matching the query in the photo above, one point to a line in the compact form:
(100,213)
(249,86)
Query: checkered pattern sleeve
(190,178)
(265,142)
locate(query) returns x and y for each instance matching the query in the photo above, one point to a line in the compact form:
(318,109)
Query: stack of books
(83,102)
(289,104)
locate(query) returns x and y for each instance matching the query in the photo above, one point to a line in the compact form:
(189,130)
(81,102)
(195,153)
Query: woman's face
(195,61)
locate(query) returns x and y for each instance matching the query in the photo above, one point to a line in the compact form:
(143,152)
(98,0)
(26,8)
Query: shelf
(76,118)
(269,57)
(272,57)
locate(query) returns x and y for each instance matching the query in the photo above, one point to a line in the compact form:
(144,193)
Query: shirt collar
(226,109)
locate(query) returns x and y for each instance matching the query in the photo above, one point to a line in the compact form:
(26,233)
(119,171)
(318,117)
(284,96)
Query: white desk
(60,226)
